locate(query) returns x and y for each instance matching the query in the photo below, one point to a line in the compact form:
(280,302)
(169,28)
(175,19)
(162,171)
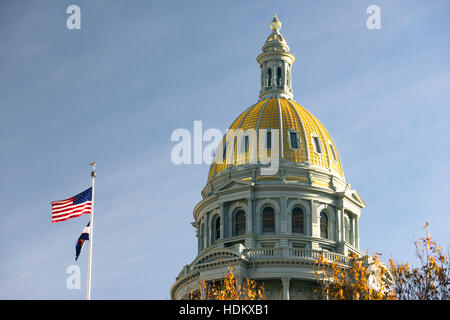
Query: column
(353,231)
(357,232)
(198,238)
(339,232)
(222,221)
(283,215)
(285,281)
(249,216)
(315,224)
(207,231)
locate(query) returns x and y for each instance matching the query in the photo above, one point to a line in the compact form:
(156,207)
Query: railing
(296,253)
(264,252)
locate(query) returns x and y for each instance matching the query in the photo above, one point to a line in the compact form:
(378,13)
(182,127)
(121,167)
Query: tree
(369,279)
(429,281)
(364,278)
(229,288)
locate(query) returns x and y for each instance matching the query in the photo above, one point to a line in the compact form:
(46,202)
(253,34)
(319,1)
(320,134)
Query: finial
(93,164)
(275,24)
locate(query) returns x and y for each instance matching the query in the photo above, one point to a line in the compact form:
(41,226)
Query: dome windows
(294,141)
(244,142)
(269,77)
(333,152)
(323,225)
(268,139)
(239,223)
(278,76)
(216,230)
(268,219)
(316,144)
(297,220)
(347,229)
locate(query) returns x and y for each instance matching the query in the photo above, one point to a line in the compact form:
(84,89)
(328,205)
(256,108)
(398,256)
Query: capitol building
(272,226)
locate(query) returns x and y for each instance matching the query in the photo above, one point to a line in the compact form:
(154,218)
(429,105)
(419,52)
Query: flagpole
(91,235)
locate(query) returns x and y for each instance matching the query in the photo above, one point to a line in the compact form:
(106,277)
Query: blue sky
(116,89)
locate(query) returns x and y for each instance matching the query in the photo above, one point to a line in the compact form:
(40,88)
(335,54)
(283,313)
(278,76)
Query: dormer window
(316,144)
(224,153)
(244,143)
(332,151)
(269,140)
(293,140)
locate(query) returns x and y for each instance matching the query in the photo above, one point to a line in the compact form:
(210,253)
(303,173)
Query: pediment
(217,256)
(233,184)
(355,196)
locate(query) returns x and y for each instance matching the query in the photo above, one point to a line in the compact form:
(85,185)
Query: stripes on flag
(72,207)
(84,236)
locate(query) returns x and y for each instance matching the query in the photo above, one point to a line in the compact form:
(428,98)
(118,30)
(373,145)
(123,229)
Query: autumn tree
(229,288)
(361,278)
(428,281)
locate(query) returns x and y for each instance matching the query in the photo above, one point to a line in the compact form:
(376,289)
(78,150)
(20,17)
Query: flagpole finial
(93,164)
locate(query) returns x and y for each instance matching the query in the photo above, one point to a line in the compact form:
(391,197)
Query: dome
(314,145)
(276,198)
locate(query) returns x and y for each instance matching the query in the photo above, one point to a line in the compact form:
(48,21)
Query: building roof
(288,117)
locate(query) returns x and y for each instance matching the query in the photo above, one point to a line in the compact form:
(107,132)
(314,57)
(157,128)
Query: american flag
(72,207)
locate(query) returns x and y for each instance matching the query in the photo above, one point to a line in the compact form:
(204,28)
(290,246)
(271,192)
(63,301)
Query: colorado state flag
(84,236)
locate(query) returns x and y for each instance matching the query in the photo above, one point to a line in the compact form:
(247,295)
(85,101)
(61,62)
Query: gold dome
(286,116)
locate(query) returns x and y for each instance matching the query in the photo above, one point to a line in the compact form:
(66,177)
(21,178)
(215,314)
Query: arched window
(240,223)
(323,225)
(269,78)
(279,76)
(268,220)
(216,231)
(297,220)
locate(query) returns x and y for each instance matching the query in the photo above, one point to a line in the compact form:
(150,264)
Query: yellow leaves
(363,278)
(431,280)
(231,288)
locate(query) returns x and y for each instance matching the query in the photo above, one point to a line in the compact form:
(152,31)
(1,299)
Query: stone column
(339,232)
(198,238)
(354,231)
(357,233)
(207,230)
(222,221)
(249,216)
(249,240)
(315,224)
(285,281)
(283,215)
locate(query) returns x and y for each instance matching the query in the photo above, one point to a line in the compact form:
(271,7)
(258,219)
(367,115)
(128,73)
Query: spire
(275,23)
(276,62)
